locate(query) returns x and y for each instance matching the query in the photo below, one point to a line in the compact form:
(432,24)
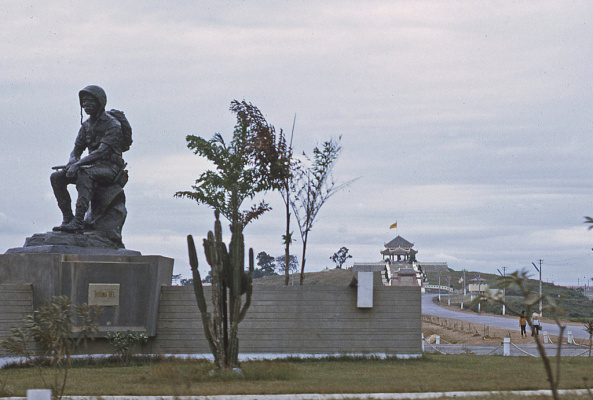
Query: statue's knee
(57,178)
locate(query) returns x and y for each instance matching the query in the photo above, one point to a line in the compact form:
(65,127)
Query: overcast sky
(468,123)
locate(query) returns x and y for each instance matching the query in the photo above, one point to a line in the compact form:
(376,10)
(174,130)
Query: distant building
(399,251)
(399,265)
(434,266)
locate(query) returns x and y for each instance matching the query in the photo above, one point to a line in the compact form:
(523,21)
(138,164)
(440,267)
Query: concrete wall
(138,279)
(16,302)
(300,320)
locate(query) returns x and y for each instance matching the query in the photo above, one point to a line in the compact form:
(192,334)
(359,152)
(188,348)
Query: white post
(463,296)
(506,349)
(422,340)
(546,337)
(479,293)
(569,337)
(438,339)
(38,394)
(504,292)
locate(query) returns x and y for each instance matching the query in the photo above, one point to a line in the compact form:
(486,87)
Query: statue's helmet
(95,91)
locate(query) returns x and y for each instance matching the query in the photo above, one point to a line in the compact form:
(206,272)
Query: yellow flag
(394,225)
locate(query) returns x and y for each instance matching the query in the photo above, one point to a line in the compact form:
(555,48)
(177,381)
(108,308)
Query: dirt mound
(328,277)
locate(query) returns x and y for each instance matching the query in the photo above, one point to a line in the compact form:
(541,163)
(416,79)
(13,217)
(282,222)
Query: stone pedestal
(127,287)
(92,242)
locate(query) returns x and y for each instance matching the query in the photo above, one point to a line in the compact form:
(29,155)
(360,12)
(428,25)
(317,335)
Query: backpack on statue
(126,128)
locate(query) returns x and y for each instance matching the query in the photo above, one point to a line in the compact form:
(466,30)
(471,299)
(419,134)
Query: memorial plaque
(103,294)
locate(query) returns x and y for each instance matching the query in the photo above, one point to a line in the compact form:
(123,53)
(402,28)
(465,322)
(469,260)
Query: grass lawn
(432,373)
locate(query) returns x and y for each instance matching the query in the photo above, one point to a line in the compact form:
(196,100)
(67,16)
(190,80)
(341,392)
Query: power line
(568,262)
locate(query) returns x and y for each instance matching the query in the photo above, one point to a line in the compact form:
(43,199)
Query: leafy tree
(207,279)
(245,167)
(187,281)
(248,165)
(266,262)
(313,186)
(267,265)
(340,257)
(293,265)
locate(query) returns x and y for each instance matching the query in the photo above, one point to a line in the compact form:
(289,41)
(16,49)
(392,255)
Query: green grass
(432,373)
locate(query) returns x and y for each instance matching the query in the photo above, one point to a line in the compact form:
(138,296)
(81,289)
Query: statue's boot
(65,222)
(74,226)
(77,223)
(67,217)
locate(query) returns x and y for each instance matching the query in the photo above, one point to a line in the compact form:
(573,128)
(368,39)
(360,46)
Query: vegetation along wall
(300,320)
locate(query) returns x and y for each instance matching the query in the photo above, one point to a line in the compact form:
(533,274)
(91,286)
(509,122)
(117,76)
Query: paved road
(431,308)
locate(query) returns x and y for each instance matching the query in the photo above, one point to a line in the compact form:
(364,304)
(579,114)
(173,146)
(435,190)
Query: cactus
(229,283)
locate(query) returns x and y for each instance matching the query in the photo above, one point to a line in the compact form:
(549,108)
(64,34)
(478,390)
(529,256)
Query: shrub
(124,342)
(52,328)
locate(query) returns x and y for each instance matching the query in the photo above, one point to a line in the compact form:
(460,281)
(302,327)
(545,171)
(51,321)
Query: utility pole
(479,278)
(463,282)
(503,274)
(540,283)
(439,286)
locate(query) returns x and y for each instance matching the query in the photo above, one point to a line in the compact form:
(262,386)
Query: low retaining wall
(300,320)
(293,320)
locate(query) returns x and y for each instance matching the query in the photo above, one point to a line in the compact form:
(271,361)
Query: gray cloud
(468,122)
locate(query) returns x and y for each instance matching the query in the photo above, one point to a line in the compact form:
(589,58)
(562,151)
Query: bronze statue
(99,176)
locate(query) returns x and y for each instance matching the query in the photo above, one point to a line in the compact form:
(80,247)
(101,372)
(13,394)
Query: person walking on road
(523,324)
(535,324)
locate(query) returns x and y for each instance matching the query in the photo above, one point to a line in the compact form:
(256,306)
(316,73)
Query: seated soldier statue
(99,176)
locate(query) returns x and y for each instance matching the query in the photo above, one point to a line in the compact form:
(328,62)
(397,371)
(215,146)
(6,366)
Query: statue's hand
(72,160)
(72,170)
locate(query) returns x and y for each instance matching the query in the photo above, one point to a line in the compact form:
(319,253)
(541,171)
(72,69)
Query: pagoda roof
(399,242)
(398,251)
